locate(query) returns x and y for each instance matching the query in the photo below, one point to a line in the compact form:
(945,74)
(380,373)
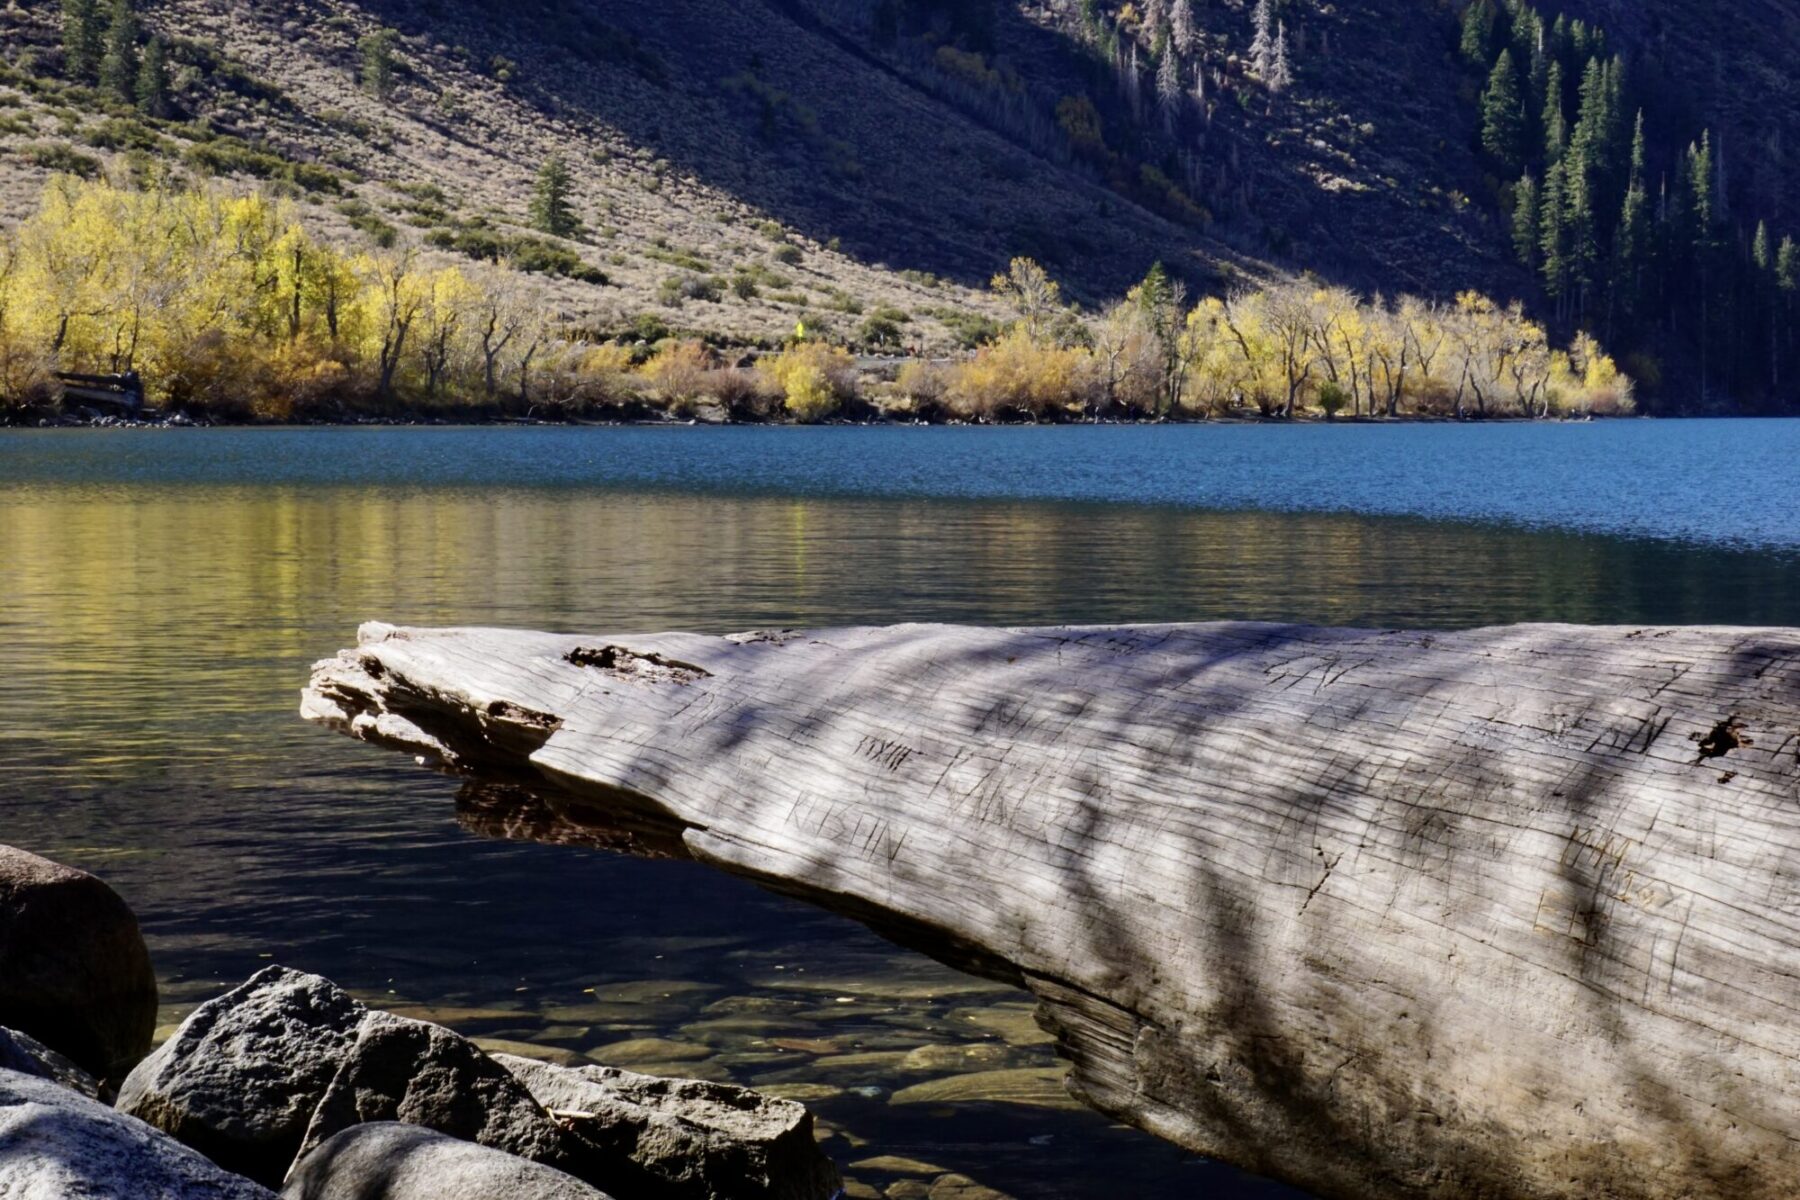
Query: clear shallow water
(163,593)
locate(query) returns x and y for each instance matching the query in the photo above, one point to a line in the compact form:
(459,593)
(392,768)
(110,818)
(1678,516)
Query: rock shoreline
(287,1085)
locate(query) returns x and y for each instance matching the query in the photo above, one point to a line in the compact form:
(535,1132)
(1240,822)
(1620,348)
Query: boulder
(683,1139)
(74,972)
(425,1075)
(56,1144)
(241,1077)
(389,1161)
(25,1054)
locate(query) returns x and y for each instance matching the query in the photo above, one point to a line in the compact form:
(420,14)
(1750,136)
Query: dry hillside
(743,165)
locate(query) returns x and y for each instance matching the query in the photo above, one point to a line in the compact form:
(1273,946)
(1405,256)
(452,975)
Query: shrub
(746,395)
(678,372)
(678,288)
(924,385)
(970,329)
(650,328)
(1020,375)
(1332,399)
(787,255)
(878,330)
(60,156)
(814,378)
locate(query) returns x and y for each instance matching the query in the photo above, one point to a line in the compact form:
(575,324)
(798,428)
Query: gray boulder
(240,1079)
(25,1054)
(682,1139)
(56,1144)
(425,1075)
(387,1161)
(74,972)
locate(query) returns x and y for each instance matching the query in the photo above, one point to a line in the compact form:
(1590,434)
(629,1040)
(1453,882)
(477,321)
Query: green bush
(60,156)
(233,156)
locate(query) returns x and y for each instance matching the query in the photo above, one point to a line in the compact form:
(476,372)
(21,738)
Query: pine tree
(1702,227)
(551,210)
(1281,74)
(1503,115)
(1632,244)
(1556,126)
(153,80)
(1154,19)
(1762,262)
(1787,287)
(1168,84)
(84,41)
(1527,31)
(1525,220)
(1478,24)
(1553,238)
(1581,226)
(1701,192)
(1181,26)
(1262,45)
(119,65)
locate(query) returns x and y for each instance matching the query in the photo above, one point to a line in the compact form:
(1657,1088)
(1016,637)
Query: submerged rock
(426,1075)
(25,1054)
(389,1161)
(692,1140)
(56,1144)
(1040,1087)
(74,972)
(241,1077)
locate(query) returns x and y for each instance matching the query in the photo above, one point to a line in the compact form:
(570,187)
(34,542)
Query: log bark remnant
(1496,915)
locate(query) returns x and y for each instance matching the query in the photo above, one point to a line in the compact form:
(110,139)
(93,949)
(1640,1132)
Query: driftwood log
(1490,915)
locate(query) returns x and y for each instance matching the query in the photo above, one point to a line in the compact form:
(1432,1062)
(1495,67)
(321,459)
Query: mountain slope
(742,166)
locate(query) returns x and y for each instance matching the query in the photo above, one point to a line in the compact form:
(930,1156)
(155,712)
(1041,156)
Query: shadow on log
(1491,915)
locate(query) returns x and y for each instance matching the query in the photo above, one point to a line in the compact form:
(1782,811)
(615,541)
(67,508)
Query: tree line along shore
(231,310)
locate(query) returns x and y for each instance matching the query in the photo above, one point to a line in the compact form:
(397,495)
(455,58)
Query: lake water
(162,594)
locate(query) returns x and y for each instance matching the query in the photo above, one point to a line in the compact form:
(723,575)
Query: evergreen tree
(1701,193)
(551,210)
(1632,243)
(378,68)
(1580,226)
(1556,126)
(1503,115)
(1479,21)
(1262,45)
(1762,251)
(1525,220)
(84,41)
(1527,31)
(153,80)
(1281,73)
(1702,231)
(119,65)
(1181,26)
(1168,84)
(1787,288)
(1762,265)
(1553,237)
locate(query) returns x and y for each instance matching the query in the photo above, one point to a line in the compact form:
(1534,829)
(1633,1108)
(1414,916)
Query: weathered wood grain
(1501,914)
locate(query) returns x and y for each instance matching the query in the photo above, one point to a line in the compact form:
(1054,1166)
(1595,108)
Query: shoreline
(424,420)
